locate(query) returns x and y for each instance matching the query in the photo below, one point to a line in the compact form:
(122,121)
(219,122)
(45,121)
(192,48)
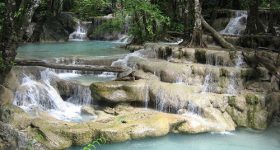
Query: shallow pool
(242,139)
(79,49)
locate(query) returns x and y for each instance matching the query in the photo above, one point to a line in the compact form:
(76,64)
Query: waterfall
(124,62)
(160,101)
(124,39)
(208,83)
(239,61)
(33,95)
(81,96)
(147,96)
(232,88)
(214,59)
(80,34)
(236,25)
(233,85)
(191,108)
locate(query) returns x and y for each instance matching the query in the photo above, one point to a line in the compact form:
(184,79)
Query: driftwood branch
(217,36)
(69,67)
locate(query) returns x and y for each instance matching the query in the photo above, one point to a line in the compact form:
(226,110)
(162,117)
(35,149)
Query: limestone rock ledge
(127,123)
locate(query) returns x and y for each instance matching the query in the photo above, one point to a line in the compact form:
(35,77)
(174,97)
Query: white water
(179,41)
(208,83)
(147,96)
(40,95)
(239,61)
(232,88)
(237,25)
(124,39)
(124,62)
(80,34)
(160,101)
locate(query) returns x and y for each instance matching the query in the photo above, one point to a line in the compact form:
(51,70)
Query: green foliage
(89,8)
(110,26)
(148,22)
(96,142)
(179,27)
(2,10)
(265,4)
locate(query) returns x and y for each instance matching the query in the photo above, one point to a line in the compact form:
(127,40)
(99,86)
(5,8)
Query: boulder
(88,110)
(54,29)
(119,91)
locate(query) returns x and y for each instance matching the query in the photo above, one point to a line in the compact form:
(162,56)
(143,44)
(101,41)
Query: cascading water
(124,39)
(208,83)
(191,108)
(160,101)
(147,97)
(81,96)
(237,25)
(233,80)
(40,95)
(233,85)
(239,61)
(213,59)
(124,62)
(80,34)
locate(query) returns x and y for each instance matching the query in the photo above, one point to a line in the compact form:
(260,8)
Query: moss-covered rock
(119,91)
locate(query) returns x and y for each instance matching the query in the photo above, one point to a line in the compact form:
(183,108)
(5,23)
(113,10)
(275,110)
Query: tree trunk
(223,3)
(270,21)
(186,21)
(253,24)
(16,20)
(197,40)
(174,9)
(236,4)
(68,67)
(217,36)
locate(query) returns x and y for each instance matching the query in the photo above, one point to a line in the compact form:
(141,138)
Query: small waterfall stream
(124,39)
(41,95)
(237,25)
(81,32)
(208,83)
(233,86)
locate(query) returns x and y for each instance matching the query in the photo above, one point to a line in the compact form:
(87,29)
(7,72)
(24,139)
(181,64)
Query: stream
(241,139)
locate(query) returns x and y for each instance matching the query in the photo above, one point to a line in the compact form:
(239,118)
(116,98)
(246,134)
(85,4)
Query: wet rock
(119,91)
(88,110)
(6,96)
(12,138)
(54,29)
(11,81)
(253,114)
(213,121)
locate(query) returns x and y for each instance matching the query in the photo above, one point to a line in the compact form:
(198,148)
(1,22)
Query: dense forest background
(145,20)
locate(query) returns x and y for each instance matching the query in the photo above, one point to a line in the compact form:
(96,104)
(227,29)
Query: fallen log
(41,63)
(217,36)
